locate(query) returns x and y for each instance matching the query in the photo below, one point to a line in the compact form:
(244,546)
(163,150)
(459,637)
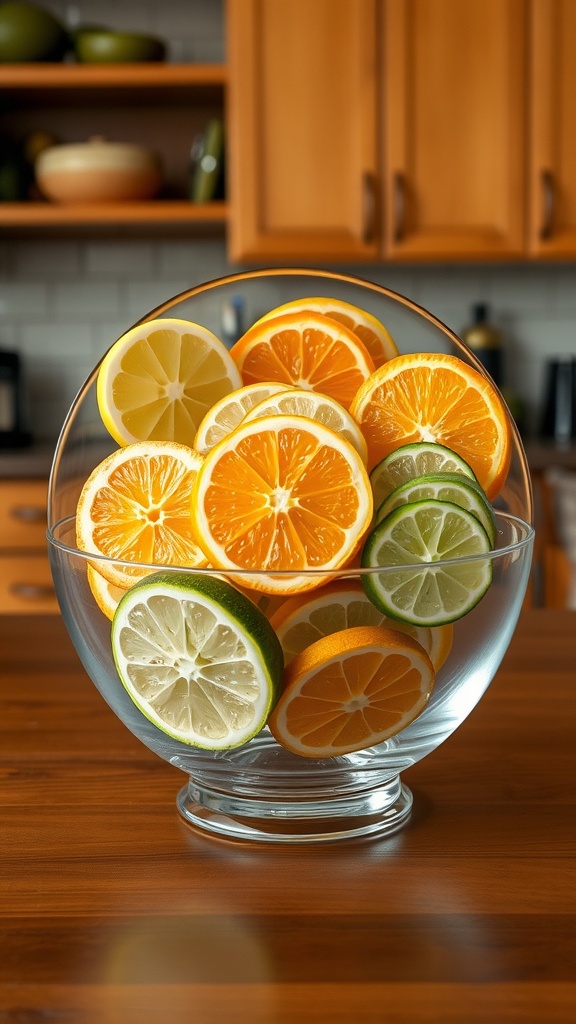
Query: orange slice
(135,506)
(281,494)
(350,691)
(439,398)
(106,594)
(305,618)
(230,410)
(300,402)
(368,328)
(307,350)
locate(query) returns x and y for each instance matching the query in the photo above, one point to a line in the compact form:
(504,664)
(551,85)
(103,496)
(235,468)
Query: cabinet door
(302,129)
(553,135)
(454,128)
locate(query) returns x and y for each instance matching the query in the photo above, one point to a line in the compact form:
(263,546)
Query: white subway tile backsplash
(142,297)
(104,334)
(46,260)
(20,300)
(119,260)
(85,298)
(527,289)
(193,261)
(55,341)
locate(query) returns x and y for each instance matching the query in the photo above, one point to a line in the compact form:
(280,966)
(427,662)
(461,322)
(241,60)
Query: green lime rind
(198,658)
(418,458)
(441,536)
(454,487)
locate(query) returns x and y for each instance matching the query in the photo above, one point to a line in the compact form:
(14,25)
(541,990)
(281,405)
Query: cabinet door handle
(28,513)
(547,205)
(368,207)
(32,591)
(399,206)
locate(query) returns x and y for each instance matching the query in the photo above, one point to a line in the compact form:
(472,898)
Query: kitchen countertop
(35,461)
(113,910)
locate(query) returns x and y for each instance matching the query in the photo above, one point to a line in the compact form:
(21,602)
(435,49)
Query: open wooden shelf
(159,104)
(156,211)
(27,78)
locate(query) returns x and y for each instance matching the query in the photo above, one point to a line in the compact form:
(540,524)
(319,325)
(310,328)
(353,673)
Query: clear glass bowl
(260,790)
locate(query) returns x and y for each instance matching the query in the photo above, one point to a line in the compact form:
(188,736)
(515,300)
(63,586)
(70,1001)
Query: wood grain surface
(113,911)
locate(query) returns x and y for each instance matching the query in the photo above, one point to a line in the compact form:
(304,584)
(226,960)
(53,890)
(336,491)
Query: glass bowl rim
(525,529)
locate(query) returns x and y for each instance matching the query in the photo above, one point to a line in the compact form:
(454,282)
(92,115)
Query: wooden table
(113,911)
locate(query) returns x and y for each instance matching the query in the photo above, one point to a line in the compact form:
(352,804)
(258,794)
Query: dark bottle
(486,343)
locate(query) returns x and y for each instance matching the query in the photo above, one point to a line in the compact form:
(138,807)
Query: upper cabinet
(552,129)
(453,118)
(302,129)
(357,130)
(390,129)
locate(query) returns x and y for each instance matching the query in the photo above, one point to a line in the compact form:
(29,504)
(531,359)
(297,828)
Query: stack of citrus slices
(310,448)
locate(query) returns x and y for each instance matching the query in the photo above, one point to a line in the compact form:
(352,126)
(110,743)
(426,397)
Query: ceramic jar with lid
(98,171)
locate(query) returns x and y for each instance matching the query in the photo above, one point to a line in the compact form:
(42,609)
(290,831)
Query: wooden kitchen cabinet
(454,108)
(302,129)
(390,129)
(25,580)
(552,130)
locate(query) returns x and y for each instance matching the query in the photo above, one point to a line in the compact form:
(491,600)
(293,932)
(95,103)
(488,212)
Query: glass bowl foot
(371,813)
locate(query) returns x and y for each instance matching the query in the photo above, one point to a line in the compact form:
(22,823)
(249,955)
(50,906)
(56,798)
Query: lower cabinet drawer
(26,585)
(23,513)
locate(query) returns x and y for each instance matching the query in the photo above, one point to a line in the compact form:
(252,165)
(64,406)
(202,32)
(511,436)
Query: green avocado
(30,33)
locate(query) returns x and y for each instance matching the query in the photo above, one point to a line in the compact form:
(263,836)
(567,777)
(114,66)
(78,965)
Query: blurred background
(427,145)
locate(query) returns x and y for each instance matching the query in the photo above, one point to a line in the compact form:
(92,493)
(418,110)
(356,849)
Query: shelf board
(170,212)
(122,76)
(76,84)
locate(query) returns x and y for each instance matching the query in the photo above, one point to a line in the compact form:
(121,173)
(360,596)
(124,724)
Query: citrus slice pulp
(300,402)
(306,350)
(452,487)
(415,459)
(427,544)
(229,411)
(350,691)
(135,507)
(305,618)
(281,494)
(197,658)
(435,397)
(106,594)
(374,335)
(160,378)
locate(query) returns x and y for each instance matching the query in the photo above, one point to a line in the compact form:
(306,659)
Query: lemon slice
(411,460)
(198,659)
(160,378)
(453,487)
(440,536)
(315,406)
(224,416)
(305,618)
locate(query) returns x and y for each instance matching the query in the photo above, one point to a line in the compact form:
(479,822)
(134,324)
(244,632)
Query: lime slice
(454,487)
(433,533)
(410,460)
(199,660)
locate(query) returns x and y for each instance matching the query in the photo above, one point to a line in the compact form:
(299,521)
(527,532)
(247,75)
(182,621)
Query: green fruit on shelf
(30,33)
